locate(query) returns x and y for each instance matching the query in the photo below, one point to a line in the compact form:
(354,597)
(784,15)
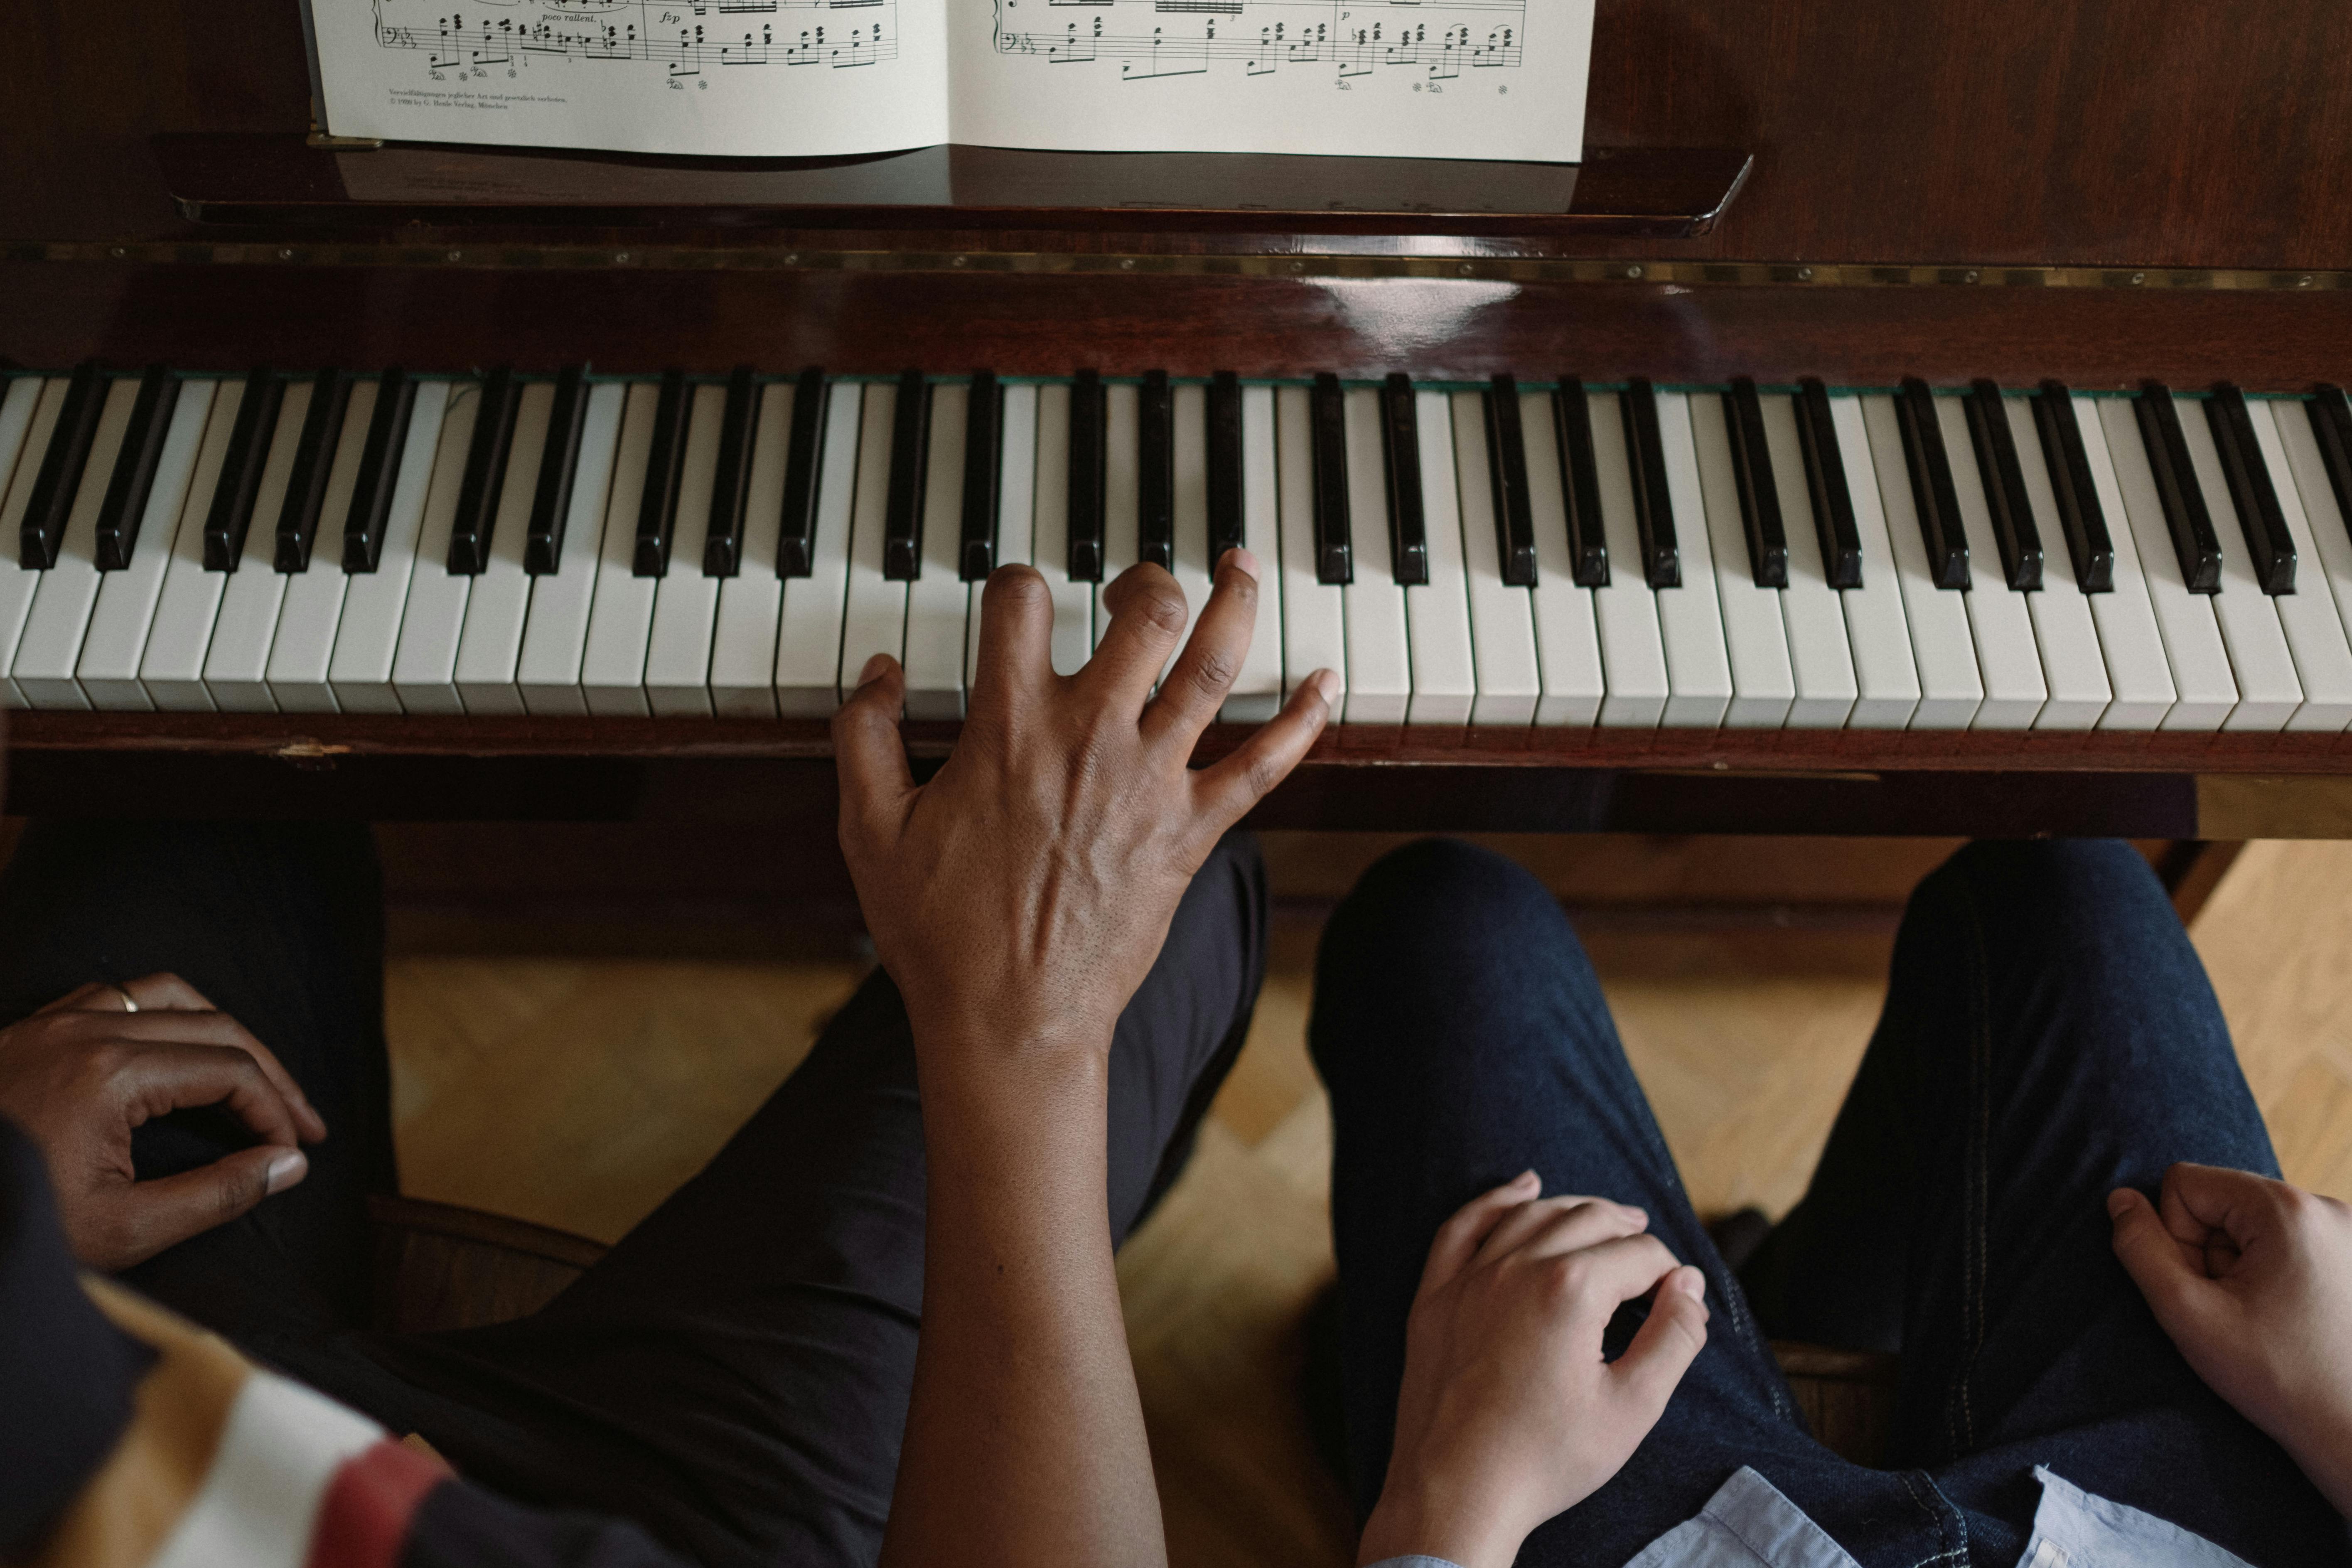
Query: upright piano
(1926,420)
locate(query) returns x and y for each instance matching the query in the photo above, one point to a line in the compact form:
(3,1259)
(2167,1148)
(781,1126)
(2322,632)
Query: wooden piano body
(2101,192)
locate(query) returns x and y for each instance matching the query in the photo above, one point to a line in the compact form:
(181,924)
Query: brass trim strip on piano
(496,257)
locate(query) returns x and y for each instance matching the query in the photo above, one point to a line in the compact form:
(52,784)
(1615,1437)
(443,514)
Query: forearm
(2324,1452)
(1024,1440)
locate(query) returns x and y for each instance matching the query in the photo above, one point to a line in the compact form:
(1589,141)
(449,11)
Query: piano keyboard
(1502,553)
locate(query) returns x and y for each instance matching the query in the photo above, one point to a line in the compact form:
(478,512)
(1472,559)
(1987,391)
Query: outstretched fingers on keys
(1196,684)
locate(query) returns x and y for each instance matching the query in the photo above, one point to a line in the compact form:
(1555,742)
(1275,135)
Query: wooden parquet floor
(576,1093)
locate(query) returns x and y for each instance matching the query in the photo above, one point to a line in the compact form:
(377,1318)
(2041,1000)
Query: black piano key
(796,537)
(665,464)
(1825,483)
(486,474)
(125,503)
(395,400)
(1932,495)
(2185,516)
(1760,497)
(1155,472)
(1506,466)
(1228,520)
(910,450)
(551,498)
(984,489)
(58,479)
(1580,485)
(2331,427)
(2013,529)
(2268,543)
(1334,549)
(231,513)
(1089,475)
(2079,512)
(1654,503)
(314,458)
(1401,463)
(730,485)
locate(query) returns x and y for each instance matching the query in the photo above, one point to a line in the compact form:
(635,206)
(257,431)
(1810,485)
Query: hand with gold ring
(85,1071)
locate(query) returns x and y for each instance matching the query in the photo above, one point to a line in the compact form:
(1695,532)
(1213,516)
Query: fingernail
(1524,1179)
(873,667)
(1691,1282)
(1634,1211)
(2118,1201)
(286,1169)
(1241,557)
(1327,687)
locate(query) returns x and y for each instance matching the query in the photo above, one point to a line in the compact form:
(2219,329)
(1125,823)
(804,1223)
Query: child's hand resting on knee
(1508,1415)
(2253,1278)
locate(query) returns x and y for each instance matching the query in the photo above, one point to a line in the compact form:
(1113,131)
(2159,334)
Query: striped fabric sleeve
(224,1463)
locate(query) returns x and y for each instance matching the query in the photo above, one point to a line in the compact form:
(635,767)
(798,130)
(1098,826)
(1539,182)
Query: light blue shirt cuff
(1415,1561)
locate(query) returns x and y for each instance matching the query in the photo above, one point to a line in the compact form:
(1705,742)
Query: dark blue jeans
(2049,1035)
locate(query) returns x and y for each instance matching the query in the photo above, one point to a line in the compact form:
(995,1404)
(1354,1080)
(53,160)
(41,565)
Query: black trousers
(734,1375)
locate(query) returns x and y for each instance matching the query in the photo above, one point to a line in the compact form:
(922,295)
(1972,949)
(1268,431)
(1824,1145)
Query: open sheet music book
(1418,79)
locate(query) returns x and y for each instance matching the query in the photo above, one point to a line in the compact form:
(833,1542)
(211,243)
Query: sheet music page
(1417,79)
(742,77)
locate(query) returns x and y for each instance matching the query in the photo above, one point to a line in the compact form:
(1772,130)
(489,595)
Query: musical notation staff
(1154,38)
(687,37)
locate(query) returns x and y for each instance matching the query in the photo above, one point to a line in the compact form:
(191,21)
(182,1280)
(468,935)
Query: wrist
(1417,1519)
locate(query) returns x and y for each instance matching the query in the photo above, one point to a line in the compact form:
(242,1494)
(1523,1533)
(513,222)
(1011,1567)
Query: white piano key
(2073,665)
(171,666)
(751,602)
(1819,659)
(1122,484)
(1256,694)
(873,619)
(51,645)
(2269,692)
(2205,689)
(1074,602)
(1633,644)
(1502,618)
(555,633)
(1690,619)
(938,602)
(1379,655)
(1951,689)
(1016,505)
(808,642)
(1437,613)
(621,613)
(1314,613)
(2008,655)
(109,670)
(238,660)
(2314,628)
(374,602)
(686,604)
(2137,671)
(490,641)
(424,660)
(1763,682)
(1189,460)
(1568,633)
(28,418)
(1885,675)
(303,651)
(2323,544)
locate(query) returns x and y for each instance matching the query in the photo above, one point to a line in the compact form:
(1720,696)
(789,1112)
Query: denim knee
(2081,926)
(1433,895)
